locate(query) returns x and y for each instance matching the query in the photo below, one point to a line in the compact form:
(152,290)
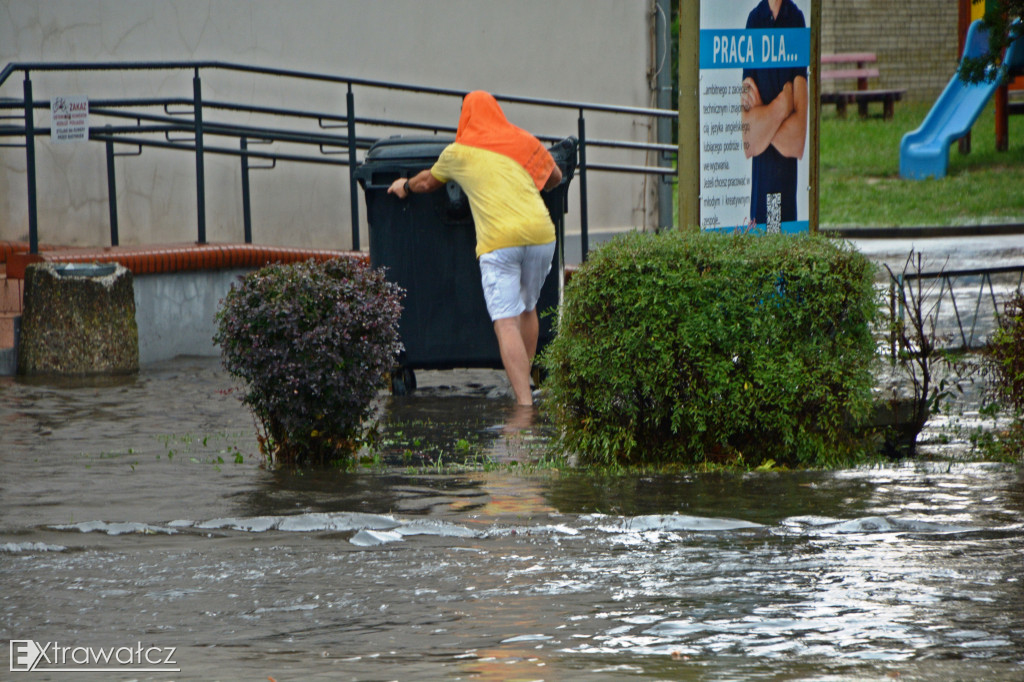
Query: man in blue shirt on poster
(774,120)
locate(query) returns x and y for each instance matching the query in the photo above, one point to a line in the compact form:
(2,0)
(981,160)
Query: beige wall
(581,50)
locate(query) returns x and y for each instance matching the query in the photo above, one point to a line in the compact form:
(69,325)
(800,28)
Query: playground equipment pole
(963,22)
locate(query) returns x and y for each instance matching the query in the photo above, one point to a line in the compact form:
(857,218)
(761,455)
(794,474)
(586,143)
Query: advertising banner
(754,115)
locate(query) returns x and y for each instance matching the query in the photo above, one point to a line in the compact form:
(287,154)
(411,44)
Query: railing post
(246,209)
(977,308)
(902,296)
(112,193)
(30,167)
(197,95)
(352,189)
(584,237)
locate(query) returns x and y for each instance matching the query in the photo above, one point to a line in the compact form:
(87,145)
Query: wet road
(951,253)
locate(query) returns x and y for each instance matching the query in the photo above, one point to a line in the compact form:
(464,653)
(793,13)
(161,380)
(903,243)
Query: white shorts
(512,278)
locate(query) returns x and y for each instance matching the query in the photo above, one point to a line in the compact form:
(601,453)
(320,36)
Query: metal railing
(961,307)
(187,124)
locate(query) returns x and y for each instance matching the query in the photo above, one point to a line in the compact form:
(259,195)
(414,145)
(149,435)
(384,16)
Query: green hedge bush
(314,342)
(708,348)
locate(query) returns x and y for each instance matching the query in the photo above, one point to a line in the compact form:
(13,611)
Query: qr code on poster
(774,213)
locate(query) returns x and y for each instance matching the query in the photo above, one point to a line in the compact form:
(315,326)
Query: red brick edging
(167,258)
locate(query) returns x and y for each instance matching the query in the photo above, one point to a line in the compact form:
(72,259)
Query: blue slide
(925,151)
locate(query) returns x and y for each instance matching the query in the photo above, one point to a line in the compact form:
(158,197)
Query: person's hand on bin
(400,188)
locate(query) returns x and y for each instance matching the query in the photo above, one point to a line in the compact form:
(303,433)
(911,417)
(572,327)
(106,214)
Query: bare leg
(515,357)
(529,328)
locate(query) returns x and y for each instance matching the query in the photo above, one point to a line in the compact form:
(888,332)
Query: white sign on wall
(69,119)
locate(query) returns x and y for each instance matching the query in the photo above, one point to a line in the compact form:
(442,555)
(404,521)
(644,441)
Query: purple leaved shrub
(314,342)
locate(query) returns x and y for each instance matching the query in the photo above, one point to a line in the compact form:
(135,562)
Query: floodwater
(134,513)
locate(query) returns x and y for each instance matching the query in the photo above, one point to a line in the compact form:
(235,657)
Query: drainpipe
(663,85)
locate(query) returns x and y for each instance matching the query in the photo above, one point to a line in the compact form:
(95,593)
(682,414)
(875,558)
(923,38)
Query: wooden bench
(855,66)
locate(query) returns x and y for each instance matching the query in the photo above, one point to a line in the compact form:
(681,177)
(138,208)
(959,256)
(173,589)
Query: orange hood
(482,124)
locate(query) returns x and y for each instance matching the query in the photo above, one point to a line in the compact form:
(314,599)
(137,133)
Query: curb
(923,232)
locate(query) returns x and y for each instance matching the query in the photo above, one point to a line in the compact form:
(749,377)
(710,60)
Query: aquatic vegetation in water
(1005,361)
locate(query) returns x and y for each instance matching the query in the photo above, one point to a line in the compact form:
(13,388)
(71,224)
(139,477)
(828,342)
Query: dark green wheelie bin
(427,245)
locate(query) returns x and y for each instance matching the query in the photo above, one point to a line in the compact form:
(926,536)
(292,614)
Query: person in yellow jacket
(502,169)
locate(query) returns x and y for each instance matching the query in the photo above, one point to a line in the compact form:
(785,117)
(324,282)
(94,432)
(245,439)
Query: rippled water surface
(136,511)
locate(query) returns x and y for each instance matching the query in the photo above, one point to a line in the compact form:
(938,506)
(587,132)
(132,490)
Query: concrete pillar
(78,319)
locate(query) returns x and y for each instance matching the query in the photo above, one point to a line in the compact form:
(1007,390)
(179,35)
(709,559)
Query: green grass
(861,186)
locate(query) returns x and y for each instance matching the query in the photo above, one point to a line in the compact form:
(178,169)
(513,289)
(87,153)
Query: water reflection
(126,507)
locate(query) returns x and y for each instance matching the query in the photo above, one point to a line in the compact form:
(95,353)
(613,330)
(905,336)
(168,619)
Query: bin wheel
(403,381)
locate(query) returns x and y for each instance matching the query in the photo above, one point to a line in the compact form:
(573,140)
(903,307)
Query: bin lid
(403,152)
(400,148)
